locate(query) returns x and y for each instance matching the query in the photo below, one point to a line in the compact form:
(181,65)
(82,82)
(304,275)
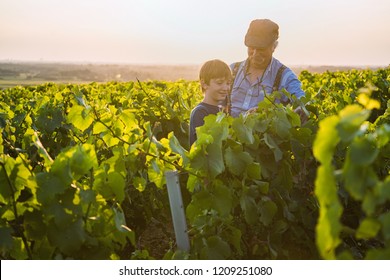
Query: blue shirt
(246,95)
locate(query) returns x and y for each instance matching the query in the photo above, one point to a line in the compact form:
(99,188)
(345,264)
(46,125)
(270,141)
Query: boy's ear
(203,84)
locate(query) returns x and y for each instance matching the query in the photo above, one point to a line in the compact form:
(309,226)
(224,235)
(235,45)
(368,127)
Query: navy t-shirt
(197,117)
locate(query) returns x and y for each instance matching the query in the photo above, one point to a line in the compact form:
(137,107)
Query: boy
(215,78)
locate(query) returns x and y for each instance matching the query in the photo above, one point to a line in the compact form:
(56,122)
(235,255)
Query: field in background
(30,73)
(12,74)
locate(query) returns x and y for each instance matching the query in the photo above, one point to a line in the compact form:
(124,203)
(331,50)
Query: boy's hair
(214,69)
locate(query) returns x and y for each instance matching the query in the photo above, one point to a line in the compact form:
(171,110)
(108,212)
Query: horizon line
(76,62)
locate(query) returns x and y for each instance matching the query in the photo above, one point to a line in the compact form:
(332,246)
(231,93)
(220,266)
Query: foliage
(82,172)
(354,200)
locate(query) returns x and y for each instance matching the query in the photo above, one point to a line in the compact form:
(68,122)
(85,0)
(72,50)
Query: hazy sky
(312,32)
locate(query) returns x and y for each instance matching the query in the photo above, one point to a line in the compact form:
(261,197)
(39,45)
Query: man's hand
(303,114)
(251,111)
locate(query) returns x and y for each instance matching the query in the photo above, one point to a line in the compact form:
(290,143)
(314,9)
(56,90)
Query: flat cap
(261,33)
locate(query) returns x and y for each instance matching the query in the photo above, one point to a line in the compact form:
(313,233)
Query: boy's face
(215,92)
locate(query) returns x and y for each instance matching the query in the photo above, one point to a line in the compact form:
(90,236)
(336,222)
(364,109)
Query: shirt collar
(267,70)
(246,66)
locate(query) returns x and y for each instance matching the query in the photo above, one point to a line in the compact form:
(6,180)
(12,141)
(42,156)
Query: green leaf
(193,183)
(156,172)
(254,170)
(385,221)
(294,117)
(49,118)
(248,205)
(18,251)
(6,242)
(363,151)
(215,125)
(117,184)
(116,162)
(49,185)
(278,154)
(128,118)
(82,160)
(177,148)
(98,128)
(358,179)
(215,163)
(367,102)
(34,225)
(237,160)
(370,203)
(198,159)
(200,201)
(41,149)
(280,227)
(234,237)
(262,186)
(244,131)
(80,99)
(326,140)
(222,198)
(328,226)
(80,117)
(215,249)
(378,254)
(6,186)
(368,228)
(74,162)
(69,239)
(382,190)
(87,196)
(351,118)
(383,135)
(139,183)
(14,176)
(61,167)
(267,211)
(281,124)
(120,220)
(101,186)
(62,216)
(110,140)
(210,137)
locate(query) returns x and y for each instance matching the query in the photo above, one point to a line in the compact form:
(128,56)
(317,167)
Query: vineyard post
(177,210)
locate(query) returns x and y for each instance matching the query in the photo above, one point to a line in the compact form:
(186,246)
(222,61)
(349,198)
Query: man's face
(260,57)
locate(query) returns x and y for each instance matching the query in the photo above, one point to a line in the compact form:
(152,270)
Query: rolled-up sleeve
(291,83)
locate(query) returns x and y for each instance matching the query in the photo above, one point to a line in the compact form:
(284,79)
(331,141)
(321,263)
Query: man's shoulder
(276,65)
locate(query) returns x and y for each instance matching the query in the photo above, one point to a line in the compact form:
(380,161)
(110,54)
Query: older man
(261,73)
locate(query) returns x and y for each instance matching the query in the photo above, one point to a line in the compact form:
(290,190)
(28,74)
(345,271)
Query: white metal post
(177,210)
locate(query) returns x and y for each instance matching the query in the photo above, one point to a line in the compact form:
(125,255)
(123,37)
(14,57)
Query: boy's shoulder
(235,65)
(206,108)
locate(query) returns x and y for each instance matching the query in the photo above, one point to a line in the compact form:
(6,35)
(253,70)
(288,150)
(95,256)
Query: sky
(311,32)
